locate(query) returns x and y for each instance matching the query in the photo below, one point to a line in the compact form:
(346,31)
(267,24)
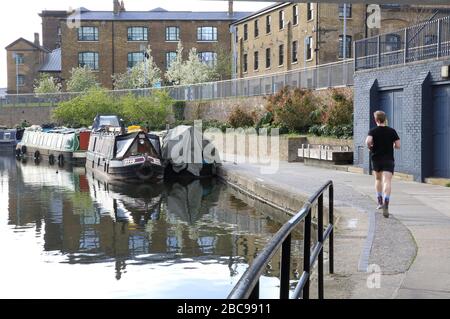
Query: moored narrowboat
(124,156)
(55,146)
(10,137)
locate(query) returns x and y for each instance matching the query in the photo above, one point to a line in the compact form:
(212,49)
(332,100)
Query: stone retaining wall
(36,115)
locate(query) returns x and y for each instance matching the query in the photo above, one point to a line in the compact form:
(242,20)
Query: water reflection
(189,239)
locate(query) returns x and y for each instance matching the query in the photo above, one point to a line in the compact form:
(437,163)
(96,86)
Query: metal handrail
(248,286)
(371,53)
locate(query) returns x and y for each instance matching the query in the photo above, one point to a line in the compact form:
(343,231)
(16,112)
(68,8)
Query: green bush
(340,111)
(341,131)
(240,118)
(150,111)
(294,109)
(81,110)
(178,110)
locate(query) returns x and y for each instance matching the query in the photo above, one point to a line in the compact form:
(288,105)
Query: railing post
(439,39)
(405,56)
(307,253)
(379,50)
(320,240)
(331,221)
(285,268)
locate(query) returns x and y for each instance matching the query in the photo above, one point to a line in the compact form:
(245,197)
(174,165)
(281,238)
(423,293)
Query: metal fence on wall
(419,42)
(322,76)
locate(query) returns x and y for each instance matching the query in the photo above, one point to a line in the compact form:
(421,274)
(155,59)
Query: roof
(265,10)
(29,43)
(161,14)
(52,62)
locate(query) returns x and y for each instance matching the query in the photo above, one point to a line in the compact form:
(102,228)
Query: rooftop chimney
(122,6)
(230,8)
(116,6)
(36,39)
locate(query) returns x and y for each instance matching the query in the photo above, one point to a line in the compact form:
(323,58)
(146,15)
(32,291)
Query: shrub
(294,109)
(341,131)
(178,110)
(150,111)
(340,111)
(81,110)
(240,118)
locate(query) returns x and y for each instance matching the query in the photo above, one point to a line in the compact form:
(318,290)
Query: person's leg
(379,188)
(387,188)
(387,181)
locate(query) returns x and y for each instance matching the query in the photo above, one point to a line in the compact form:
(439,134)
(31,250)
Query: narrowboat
(9,138)
(188,153)
(122,156)
(57,145)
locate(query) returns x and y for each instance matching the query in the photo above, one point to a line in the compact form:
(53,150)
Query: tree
(143,74)
(176,69)
(224,66)
(191,71)
(47,84)
(82,79)
(81,110)
(153,110)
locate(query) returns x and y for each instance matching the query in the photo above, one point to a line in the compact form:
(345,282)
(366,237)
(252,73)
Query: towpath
(408,255)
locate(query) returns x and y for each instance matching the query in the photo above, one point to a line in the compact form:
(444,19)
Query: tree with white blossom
(143,74)
(190,71)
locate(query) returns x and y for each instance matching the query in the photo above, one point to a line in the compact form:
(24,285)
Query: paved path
(412,248)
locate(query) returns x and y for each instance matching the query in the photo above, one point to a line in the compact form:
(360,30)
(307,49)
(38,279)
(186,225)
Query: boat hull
(141,172)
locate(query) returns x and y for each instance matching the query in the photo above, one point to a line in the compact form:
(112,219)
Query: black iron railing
(428,40)
(248,285)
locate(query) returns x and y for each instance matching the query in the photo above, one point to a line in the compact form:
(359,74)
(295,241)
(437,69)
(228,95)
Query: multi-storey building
(289,36)
(24,60)
(111,42)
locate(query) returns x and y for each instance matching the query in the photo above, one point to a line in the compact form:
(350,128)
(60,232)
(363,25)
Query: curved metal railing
(248,285)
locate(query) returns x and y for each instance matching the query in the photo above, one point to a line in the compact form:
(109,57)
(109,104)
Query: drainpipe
(113,52)
(234,62)
(317,35)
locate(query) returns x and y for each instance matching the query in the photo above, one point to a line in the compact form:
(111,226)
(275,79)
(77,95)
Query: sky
(19,18)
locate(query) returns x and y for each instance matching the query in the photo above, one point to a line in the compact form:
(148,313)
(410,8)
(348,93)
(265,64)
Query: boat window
(55,141)
(122,147)
(61,142)
(7,136)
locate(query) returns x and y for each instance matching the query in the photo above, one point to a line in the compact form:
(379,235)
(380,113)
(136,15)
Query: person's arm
(397,144)
(369,141)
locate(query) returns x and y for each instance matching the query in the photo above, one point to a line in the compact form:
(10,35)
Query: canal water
(65,234)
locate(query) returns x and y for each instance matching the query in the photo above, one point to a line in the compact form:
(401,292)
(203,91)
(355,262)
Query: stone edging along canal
(288,200)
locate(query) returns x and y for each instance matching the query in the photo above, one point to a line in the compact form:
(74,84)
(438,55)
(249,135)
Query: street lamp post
(16,59)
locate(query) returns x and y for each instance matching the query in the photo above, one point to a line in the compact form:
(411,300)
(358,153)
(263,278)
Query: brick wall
(220,109)
(416,80)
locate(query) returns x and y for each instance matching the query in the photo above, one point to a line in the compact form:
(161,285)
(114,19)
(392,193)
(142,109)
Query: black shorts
(383,166)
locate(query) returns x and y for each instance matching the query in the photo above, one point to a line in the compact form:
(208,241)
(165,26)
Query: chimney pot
(36,39)
(116,6)
(230,8)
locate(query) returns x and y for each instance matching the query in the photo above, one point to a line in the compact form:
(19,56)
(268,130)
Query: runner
(381,141)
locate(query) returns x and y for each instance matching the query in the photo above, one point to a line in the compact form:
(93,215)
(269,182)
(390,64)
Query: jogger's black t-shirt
(383,143)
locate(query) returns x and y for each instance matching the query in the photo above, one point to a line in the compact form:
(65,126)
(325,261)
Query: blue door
(391,102)
(441,131)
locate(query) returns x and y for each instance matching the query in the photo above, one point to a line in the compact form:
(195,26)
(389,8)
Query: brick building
(24,60)
(110,42)
(290,36)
